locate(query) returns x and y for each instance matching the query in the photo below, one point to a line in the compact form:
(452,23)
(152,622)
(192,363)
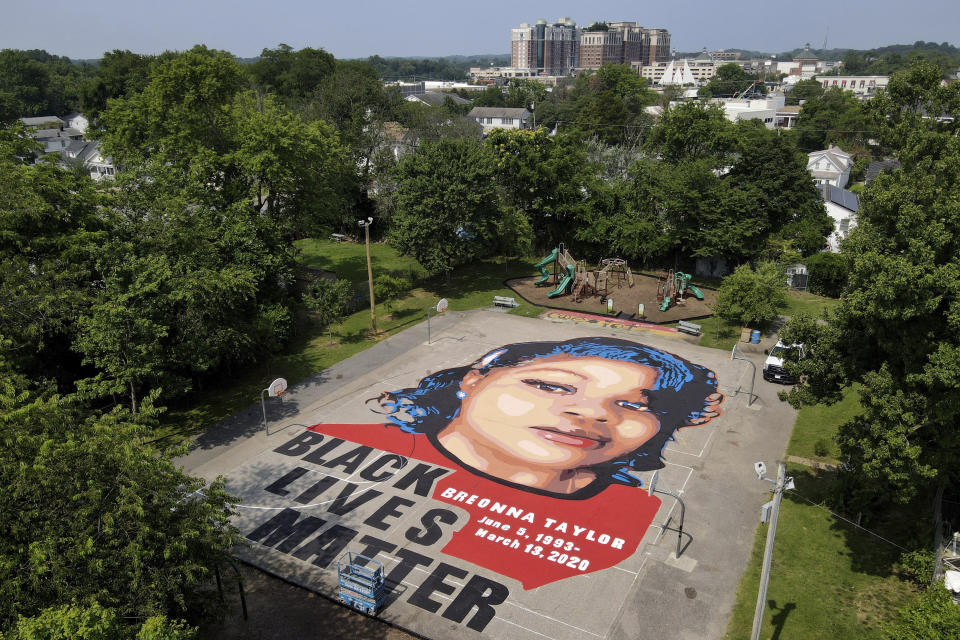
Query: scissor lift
(361,582)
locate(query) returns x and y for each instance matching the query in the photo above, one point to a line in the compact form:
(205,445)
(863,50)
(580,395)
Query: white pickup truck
(773,370)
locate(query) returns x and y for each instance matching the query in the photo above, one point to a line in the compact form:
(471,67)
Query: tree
(329,301)
(185,291)
(522,93)
(543,177)
(691,131)
(119,73)
(780,195)
(195,130)
(50,232)
(490,97)
(293,75)
(804,90)
(836,117)
(448,212)
(731,79)
(752,297)
(828,273)
(610,104)
(388,288)
(94,622)
(92,513)
(894,330)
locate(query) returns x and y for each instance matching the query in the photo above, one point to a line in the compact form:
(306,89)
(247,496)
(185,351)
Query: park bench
(689,327)
(338,237)
(503,301)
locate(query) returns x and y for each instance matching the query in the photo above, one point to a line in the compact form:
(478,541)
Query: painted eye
(549,387)
(633,406)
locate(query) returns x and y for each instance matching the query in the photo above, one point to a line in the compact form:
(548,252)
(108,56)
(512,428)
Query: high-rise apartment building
(560,47)
(551,48)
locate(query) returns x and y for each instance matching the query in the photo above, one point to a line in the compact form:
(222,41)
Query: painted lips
(581,441)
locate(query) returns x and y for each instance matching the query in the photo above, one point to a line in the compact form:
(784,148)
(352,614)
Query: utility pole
(373,309)
(782,482)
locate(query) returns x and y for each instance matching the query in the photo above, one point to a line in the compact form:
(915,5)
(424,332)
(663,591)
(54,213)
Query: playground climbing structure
(670,289)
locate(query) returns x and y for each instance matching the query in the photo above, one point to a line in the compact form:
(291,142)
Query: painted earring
(461,394)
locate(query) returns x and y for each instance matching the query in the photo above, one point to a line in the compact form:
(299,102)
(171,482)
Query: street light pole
(782,483)
(373,309)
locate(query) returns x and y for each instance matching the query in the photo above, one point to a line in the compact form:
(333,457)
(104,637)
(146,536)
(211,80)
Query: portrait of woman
(537,447)
(565,419)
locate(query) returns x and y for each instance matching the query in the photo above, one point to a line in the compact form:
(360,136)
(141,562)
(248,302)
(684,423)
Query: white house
(90,155)
(830,166)
(842,206)
(491,118)
(76,121)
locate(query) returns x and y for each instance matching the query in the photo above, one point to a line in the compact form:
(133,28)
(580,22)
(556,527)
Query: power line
(847,520)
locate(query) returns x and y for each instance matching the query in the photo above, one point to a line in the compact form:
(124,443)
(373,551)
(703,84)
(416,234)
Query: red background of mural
(603,530)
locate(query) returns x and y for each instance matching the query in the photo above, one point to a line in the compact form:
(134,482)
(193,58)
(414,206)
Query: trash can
(755,336)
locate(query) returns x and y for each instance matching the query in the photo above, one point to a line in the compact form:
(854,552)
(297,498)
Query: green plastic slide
(567,279)
(542,265)
(696,292)
(665,304)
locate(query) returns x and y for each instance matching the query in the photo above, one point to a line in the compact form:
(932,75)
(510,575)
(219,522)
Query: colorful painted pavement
(611,323)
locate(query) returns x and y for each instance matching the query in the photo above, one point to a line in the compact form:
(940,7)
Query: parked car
(773,369)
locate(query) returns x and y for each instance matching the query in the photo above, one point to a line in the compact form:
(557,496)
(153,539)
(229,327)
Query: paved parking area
(468,554)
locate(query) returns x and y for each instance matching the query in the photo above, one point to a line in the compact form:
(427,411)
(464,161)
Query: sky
(432,28)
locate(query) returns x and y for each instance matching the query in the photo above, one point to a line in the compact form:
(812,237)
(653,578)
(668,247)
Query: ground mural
(514,474)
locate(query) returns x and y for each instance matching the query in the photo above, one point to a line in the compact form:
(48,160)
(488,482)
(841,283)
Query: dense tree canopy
(447,207)
(94,515)
(896,328)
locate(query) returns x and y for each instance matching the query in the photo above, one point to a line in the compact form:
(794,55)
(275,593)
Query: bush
(828,274)
(932,616)
(917,566)
(752,297)
(821,447)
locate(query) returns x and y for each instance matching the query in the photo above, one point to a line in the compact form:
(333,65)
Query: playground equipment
(564,271)
(361,582)
(542,266)
(617,269)
(570,275)
(670,290)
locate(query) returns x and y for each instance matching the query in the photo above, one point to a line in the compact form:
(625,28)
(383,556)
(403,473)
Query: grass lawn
(720,334)
(349,260)
(819,423)
(314,350)
(828,578)
(804,301)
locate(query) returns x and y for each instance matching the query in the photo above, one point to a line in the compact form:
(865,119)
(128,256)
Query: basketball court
(467,555)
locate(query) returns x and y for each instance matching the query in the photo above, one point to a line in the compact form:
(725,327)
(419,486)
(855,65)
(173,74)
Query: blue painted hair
(678,397)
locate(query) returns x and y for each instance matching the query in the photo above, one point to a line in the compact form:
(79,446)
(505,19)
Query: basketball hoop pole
(263,405)
(277,388)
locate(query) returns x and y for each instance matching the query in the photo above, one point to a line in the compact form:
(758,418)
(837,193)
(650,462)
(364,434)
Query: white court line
(566,624)
(695,455)
(432,593)
(397,560)
(628,595)
(522,627)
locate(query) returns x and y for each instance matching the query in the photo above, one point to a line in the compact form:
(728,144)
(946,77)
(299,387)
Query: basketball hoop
(276,390)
